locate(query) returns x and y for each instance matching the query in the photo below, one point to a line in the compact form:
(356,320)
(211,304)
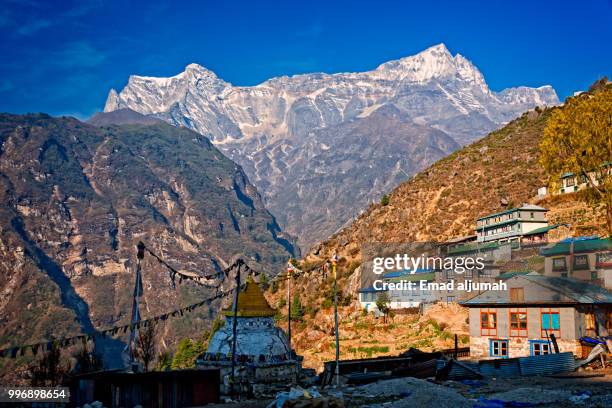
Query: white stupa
(263,354)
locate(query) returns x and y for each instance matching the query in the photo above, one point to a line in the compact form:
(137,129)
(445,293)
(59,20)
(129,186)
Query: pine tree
(297,312)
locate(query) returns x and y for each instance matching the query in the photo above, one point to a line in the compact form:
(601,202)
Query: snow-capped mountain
(319,146)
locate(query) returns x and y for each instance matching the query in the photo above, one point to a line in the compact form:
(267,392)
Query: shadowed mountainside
(75,200)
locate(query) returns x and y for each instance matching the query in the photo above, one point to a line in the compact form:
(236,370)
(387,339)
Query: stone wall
(518,347)
(259,378)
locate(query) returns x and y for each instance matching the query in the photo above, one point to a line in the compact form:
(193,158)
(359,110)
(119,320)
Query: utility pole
(140,248)
(234,329)
(334,260)
(289,270)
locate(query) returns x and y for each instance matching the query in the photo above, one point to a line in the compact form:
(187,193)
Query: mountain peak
(304,118)
(433,62)
(198,69)
(439,48)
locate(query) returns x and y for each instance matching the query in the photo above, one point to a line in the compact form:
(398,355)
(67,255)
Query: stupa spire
(251,302)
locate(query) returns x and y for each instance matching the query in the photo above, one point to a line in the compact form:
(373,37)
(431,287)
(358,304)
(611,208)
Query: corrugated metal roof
(511,274)
(501,367)
(542,229)
(564,291)
(586,244)
(406,272)
(511,367)
(547,364)
(527,207)
(472,248)
(370,290)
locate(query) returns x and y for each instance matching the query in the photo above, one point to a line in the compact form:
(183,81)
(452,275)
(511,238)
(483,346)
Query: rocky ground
(590,389)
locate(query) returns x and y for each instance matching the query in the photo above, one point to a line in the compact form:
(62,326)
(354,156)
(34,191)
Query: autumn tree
(578,139)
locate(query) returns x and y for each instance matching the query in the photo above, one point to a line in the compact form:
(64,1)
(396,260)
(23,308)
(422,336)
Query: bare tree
(146,345)
(49,370)
(87,361)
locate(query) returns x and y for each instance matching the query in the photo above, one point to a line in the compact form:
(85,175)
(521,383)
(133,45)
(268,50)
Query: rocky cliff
(76,198)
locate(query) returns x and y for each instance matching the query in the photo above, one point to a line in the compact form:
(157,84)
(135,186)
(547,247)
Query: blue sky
(62,57)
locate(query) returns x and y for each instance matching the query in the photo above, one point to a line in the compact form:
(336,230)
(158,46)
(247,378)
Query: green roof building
(513,224)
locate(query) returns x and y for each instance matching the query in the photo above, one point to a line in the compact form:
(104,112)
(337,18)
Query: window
(581,262)
(589,321)
(450,299)
(498,348)
(468,273)
(488,323)
(539,347)
(593,275)
(569,182)
(550,322)
(559,264)
(531,215)
(517,294)
(518,323)
(450,274)
(604,259)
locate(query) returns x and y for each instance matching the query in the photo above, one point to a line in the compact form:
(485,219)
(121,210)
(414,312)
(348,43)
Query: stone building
(519,322)
(513,225)
(584,258)
(263,354)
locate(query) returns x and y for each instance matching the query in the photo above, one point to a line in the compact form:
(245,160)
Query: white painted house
(511,225)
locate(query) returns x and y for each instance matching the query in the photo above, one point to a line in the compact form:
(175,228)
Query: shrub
(186,354)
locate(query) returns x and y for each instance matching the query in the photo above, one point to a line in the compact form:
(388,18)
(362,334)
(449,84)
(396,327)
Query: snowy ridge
(281,129)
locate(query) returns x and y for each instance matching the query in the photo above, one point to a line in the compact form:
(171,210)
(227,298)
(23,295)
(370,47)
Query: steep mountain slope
(288,131)
(75,199)
(443,201)
(440,203)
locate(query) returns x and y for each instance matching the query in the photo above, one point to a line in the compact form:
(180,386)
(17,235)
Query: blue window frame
(498,348)
(539,347)
(550,322)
